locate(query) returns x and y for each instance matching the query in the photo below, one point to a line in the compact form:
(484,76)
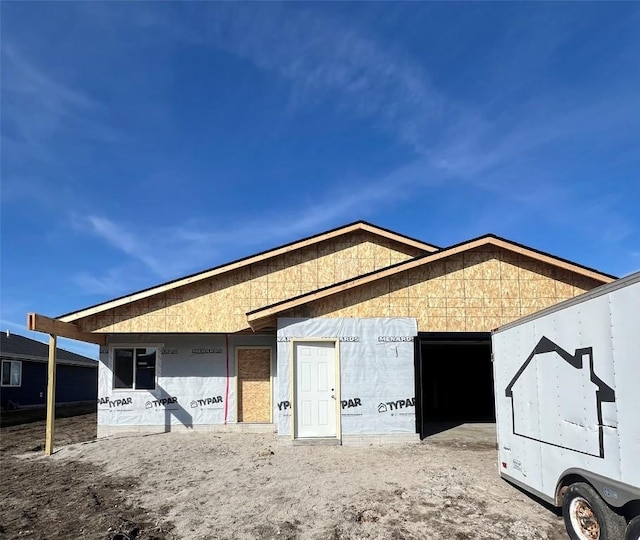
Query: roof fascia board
(256,316)
(360,225)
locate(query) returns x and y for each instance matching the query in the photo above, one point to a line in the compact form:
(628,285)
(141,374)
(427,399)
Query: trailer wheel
(588,517)
(633,529)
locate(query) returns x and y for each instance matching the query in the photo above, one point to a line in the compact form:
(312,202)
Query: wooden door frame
(237,349)
(292,381)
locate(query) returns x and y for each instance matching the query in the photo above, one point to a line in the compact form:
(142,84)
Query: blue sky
(145,141)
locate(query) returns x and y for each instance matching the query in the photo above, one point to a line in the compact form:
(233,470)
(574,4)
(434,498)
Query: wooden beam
(51,395)
(41,323)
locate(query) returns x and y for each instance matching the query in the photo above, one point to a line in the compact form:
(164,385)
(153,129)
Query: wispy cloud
(38,107)
(495,149)
(125,241)
(323,58)
(171,251)
(111,283)
(164,251)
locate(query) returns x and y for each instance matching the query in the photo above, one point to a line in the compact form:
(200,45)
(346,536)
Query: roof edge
(244,261)
(89,362)
(490,238)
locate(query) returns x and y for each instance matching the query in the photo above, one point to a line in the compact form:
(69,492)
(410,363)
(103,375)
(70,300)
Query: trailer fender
(613,492)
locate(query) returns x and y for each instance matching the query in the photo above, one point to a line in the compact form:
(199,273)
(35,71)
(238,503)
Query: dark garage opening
(454,380)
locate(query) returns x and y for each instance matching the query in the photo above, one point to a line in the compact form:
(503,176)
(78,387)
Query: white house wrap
(376,359)
(196,379)
(195,383)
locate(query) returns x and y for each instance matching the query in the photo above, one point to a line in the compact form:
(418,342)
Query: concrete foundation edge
(108,431)
(363,440)
(389,438)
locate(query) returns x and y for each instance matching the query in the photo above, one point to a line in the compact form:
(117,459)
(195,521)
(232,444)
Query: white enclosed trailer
(567,390)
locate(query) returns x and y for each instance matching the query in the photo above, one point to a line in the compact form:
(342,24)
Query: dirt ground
(249,486)
(42,498)
(26,416)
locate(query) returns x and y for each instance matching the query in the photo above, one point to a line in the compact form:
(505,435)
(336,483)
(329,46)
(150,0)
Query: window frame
(11,362)
(112,363)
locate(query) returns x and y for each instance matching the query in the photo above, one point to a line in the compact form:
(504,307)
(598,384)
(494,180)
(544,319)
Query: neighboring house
(24,374)
(355,334)
(575,423)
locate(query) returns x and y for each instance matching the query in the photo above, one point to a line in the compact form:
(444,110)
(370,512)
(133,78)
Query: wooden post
(51,395)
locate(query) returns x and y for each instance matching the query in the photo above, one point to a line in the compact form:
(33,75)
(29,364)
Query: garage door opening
(454,377)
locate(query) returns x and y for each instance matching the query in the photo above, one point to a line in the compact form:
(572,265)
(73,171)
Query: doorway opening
(454,380)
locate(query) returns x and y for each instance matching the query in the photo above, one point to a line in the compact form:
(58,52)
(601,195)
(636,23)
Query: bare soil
(26,416)
(249,486)
(66,499)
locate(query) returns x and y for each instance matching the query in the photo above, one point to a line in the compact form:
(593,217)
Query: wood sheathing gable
(396,241)
(220,302)
(473,287)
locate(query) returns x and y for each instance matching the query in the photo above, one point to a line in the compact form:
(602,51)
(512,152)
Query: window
(134,368)
(11,373)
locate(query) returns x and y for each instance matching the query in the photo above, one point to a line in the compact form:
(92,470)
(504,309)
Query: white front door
(315,386)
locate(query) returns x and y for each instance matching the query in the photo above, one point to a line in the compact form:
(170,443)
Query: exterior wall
(73,383)
(76,383)
(376,391)
(190,369)
(476,291)
(219,304)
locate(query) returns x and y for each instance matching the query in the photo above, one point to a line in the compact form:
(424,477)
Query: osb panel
(254,385)
(511,314)
(475,291)
(435,324)
(564,289)
(471,296)
(456,324)
(399,308)
(510,288)
(509,270)
(220,303)
(455,302)
(481,265)
(432,301)
(455,288)
(482,288)
(474,302)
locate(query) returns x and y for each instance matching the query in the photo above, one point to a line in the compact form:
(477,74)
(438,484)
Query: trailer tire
(588,517)
(633,529)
